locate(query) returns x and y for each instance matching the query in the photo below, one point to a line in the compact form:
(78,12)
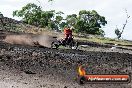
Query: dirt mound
(50,68)
(33,67)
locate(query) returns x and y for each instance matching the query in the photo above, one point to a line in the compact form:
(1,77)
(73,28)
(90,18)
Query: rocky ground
(23,66)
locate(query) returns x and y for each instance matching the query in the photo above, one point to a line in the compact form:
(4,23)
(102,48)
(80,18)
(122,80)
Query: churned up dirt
(30,39)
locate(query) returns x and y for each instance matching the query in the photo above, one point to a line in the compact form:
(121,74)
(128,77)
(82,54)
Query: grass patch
(105,40)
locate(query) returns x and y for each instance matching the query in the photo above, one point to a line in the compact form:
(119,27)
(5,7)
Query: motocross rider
(68,34)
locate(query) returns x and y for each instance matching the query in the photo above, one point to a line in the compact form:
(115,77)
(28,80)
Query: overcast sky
(113,10)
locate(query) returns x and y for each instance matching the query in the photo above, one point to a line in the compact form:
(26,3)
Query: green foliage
(1,15)
(89,22)
(118,33)
(57,21)
(71,19)
(33,14)
(2,25)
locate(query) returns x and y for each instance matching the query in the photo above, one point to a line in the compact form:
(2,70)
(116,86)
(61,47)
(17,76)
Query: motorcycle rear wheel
(54,45)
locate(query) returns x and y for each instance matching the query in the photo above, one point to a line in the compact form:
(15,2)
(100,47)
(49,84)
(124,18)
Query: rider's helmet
(66,26)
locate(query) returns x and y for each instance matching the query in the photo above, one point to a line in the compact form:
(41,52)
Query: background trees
(85,21)
(56,21)
(118,31)
(90,22)
(1,21)
(33,14)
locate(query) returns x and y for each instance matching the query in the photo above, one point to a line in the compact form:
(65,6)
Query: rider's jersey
(68,32)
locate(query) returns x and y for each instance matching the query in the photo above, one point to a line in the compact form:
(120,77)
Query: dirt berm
(23,66)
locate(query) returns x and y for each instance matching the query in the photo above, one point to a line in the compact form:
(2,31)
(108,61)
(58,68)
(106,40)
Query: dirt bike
(70,43)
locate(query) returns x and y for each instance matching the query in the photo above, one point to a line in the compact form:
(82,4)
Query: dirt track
(24,66)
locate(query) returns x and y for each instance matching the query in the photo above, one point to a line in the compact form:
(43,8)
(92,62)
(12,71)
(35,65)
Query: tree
(87,22)
(118,31)
(1,15)
(33,14)
(1,21)
(56,22)
(46,18)
(71,19)
(29,13)
(58,19)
